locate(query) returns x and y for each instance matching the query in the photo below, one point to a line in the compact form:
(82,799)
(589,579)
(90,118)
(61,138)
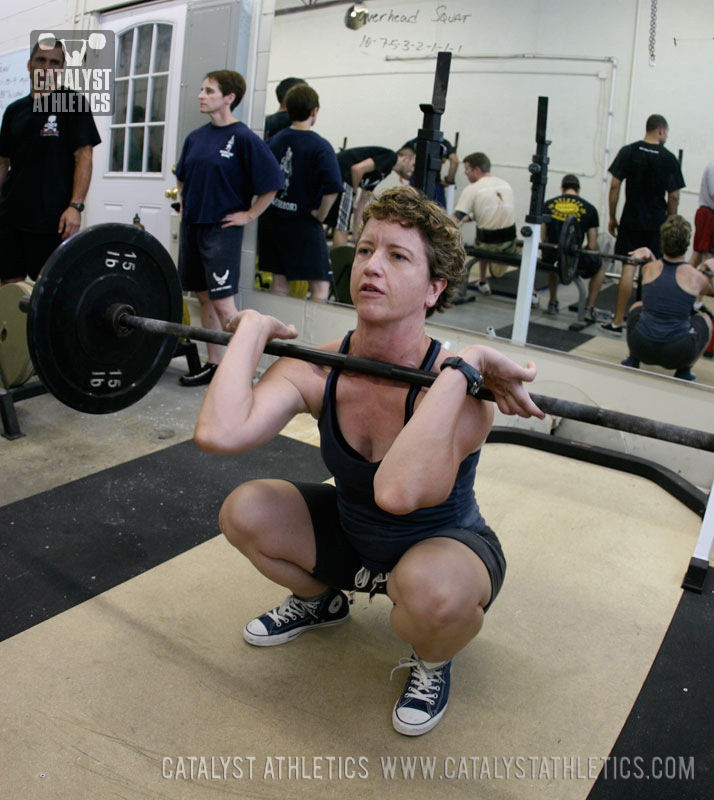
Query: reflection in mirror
(493,315)
(590,118)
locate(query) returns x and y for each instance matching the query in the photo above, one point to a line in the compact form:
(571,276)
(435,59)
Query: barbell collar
(115,316)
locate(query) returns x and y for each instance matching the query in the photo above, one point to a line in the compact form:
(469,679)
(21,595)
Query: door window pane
(121,91)
(138,103)
(156,146)
(116,163)
(136,149)
(163,48)
(142,58)
(124,53)
(158,98)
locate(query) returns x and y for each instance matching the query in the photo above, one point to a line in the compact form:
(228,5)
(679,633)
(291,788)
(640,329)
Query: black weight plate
(568,254)
(77,356)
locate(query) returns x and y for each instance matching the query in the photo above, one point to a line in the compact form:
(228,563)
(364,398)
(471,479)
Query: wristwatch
(78,206)
(474,379)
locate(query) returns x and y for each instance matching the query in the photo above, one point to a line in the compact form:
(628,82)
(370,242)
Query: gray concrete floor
(61,444)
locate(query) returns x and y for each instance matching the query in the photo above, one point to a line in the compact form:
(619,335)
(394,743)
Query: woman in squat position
(402,516)
(664,328)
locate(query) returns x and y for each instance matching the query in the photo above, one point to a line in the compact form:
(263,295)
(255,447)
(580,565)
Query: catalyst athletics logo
(72,71)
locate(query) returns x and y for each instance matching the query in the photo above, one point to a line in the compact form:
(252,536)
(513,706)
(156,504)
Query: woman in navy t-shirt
(226,177)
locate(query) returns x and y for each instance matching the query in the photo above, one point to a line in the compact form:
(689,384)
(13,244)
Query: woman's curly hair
(441,236)
(675,235)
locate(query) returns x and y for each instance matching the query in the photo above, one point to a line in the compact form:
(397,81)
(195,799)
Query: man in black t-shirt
(650,172)
(363,168)
(570,204)
(46,142)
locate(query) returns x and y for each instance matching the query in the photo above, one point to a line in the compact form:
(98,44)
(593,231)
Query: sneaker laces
(293,608)
(423,683)
(362,580)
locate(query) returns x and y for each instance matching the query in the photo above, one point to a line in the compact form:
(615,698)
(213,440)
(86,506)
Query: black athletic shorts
(338,562)
(293,247)
(23,253)
(629,239)
(677,354)
(209,258)
(588,265)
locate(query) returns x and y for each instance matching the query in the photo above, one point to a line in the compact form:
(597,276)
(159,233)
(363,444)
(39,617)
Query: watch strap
(474,379)
(78,206)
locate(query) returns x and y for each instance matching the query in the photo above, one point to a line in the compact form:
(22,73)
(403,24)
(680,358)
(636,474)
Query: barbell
(105,311)
(567,249)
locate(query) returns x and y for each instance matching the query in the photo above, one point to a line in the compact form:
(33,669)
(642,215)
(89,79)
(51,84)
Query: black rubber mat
(607,299)
(549,336)
(664,751)
(64,546)
(507,284)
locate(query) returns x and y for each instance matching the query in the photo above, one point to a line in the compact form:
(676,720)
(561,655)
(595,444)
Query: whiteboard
(14,77)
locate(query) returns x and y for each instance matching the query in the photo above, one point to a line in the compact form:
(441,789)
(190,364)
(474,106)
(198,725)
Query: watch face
(78,206)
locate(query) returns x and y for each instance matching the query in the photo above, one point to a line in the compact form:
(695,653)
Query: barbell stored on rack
(568,251)
(104,314)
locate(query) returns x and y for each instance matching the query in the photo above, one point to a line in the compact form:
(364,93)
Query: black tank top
(667,307)
(379,537)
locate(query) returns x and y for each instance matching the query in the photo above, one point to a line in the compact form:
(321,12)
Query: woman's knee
(425,597)
(449,583)
(244,513)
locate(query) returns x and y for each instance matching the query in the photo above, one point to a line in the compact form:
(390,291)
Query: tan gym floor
(123,695)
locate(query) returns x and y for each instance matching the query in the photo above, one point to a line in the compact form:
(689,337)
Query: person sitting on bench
(488,201)
(570,204)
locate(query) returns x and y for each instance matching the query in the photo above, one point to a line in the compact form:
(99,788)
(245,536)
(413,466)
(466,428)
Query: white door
(132,165)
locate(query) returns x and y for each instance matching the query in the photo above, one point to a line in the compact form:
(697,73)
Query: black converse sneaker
(424,697)
(610,327)
(295,616)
